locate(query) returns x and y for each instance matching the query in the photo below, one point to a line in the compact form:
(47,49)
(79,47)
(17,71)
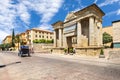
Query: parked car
(24,50)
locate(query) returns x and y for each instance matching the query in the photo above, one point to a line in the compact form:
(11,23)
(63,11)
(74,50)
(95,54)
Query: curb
(1,66)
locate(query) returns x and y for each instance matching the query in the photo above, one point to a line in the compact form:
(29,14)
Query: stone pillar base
(58,50)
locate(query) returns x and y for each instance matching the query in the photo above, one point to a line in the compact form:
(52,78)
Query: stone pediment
(70,16)
(91,9)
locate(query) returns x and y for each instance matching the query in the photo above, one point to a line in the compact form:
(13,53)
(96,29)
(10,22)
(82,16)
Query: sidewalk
(84,58)
(4,75)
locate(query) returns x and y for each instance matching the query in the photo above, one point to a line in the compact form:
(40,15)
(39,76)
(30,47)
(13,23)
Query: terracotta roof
(42,30)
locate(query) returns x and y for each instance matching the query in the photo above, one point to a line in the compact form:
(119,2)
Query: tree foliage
(5,46)
(107,38)
(17,39)
(13,38)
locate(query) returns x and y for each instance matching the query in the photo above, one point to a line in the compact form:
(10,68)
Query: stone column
(96,32)
(78,34)
(100,34)
(60,37)
(64,41)
(91,31)
(55,42)
(31,36)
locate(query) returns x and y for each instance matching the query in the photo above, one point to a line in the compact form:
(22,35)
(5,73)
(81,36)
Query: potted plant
(102,54)
(51,50)
(71,51)
(65,50)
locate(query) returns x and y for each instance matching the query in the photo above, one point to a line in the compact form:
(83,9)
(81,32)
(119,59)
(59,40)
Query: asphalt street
(55,67)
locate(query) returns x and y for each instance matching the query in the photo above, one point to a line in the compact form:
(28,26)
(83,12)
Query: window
(35,35)
(29,36)
(42,36)
(39,36)
(47,36)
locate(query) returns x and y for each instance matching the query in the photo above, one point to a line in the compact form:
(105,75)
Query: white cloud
(95,1)
(45,26)
(118,12)
(80,3)
(9,11)
(23,13)
(46,8)
(81,6)
(108,2)
(3,34)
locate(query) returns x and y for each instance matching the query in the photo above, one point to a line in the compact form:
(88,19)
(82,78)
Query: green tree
(5,46)
(2,46)
(22,42)
(13,38)
(107,38)
(17,40)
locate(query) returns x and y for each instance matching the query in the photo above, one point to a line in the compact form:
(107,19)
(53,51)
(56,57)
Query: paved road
(55,67)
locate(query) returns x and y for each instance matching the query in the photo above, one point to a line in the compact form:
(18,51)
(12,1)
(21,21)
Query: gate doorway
(71,42)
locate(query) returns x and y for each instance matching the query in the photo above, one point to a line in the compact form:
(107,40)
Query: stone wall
(112,53)
(88,51)
(80,51)
(58,50)
(116,32)
(42,48)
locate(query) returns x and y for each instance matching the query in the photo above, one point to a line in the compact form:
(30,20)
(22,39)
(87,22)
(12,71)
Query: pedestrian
(32,51)
(51,50)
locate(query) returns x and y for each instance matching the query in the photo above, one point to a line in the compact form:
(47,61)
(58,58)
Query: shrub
(65,50)
(5,46)
(42,41)
(36,41)
(71,50)
(51,50)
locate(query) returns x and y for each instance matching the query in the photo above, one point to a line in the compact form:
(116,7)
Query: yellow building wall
(7,39)
(108,29)
(34,34)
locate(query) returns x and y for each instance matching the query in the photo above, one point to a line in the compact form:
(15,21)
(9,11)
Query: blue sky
(26,14)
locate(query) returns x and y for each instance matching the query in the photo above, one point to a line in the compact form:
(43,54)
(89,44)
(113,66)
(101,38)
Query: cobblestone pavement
(56,67)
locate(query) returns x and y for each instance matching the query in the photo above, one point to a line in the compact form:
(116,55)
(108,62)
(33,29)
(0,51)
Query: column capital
(78,21)
(92,17)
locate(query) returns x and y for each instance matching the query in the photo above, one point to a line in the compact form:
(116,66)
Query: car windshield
(24,47)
